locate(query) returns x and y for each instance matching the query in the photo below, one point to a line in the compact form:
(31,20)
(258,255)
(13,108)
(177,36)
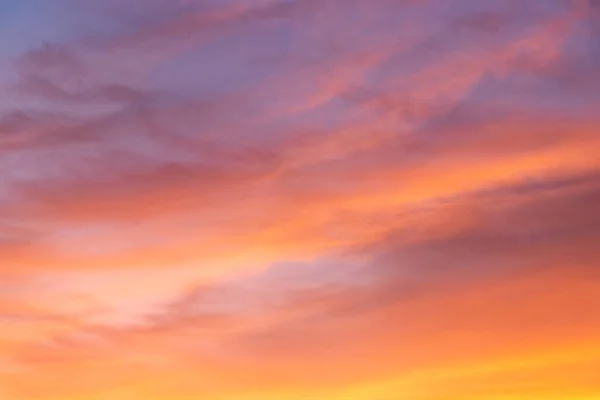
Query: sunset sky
(299,200)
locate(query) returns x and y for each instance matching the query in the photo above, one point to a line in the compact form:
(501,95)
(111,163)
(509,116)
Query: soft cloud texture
(298,199)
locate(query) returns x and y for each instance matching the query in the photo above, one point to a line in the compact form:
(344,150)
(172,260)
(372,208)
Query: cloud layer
(298,199)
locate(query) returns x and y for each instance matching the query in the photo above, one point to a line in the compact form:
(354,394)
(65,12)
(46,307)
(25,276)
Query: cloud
(523,235)
(477,265)
(252,196)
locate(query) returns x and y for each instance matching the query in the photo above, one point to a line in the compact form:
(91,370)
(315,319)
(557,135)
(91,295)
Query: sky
(299,199)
